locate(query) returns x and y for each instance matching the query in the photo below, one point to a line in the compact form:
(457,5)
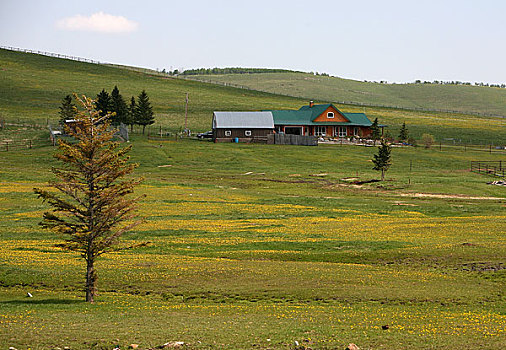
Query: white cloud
(98,22)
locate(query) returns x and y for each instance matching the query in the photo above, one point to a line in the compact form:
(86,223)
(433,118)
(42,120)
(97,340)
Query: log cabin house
(322,120)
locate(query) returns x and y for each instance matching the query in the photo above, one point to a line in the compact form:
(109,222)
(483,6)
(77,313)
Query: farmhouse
(322,120)
(242,126)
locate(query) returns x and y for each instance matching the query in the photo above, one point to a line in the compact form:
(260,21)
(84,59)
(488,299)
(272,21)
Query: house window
(247,133)
(330,115)
(228,133)
(342,131)
(356,131)
(321,131)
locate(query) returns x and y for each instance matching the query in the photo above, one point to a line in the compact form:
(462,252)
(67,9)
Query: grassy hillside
(465,99)
(33,86)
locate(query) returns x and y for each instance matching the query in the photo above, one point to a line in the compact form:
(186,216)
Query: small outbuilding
(242,126)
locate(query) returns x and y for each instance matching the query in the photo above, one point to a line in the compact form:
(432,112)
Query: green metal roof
(317,110)
(305,116)
(358,119)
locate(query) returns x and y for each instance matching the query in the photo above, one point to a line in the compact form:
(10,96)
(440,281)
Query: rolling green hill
(461,98)
(32,87)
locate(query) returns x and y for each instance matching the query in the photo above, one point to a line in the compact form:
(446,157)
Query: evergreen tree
(90,204)
(144,111)
(118,106)
(375,131)
(404,133)
(103,103)
(382,160)
(131,114)
(68,110)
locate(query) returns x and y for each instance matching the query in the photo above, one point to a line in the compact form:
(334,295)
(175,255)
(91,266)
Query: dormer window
(330,115)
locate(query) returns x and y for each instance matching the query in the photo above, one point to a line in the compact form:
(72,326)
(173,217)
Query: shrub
(427,140)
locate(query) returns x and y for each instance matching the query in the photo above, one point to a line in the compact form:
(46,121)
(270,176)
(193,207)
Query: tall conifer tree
(103,103)
(404,133)
(119,107)
(91,204)
(68,109)
(131,114)
(144,111)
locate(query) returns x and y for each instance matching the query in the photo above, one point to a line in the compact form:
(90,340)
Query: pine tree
(375,131)
(68,110)
(90,205)
(131,114)
(118,106)
(404,133)
(103,103)
(144,111)
(382,160)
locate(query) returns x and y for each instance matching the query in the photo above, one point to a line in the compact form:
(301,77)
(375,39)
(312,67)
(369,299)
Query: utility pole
(186,115)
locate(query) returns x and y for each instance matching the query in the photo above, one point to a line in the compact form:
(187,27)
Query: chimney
(311,104)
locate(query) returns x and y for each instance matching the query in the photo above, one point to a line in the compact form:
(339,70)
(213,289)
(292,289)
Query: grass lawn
(259,246)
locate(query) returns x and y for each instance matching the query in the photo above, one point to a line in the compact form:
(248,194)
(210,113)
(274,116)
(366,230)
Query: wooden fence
(16,145)
(493,168)
(285,139)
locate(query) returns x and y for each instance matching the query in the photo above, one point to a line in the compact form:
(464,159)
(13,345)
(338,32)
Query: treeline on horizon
(235,70)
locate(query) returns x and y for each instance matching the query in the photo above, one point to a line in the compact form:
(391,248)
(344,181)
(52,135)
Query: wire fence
(493,168)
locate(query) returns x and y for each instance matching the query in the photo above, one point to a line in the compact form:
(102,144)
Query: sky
(392,40)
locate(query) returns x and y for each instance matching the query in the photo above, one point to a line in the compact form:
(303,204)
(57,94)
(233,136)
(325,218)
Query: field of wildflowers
(241,260)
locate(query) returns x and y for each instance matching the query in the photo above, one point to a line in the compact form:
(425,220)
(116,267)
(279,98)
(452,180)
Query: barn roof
(252,120)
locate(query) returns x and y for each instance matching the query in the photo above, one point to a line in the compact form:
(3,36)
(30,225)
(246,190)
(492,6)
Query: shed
(243,126)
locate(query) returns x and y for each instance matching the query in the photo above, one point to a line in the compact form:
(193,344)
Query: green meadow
(252,246)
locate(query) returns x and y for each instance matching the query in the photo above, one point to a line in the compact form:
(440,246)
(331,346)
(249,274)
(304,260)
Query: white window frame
(330,115)
(247,133)
(343,131)
(356,131)
(320,130)
(228,132)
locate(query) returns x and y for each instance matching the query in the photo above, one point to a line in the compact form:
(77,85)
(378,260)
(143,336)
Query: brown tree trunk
(91,280)
(143,128)
(382,174)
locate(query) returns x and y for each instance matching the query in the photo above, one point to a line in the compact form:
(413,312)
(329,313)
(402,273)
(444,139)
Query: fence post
(30,144)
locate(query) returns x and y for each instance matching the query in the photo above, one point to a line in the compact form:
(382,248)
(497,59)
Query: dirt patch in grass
(447,196)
